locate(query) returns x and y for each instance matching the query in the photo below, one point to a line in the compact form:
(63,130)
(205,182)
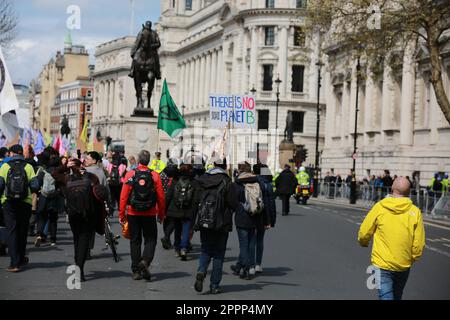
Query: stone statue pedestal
(287,151)
(140,133)
(143,112)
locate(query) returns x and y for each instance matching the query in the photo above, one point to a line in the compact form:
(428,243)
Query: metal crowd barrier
(431,203)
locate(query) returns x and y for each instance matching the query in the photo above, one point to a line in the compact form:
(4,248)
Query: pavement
(310,254)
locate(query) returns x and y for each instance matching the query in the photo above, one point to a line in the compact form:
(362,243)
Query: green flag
(169,118)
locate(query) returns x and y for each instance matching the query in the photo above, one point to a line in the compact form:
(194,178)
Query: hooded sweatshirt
(399,236)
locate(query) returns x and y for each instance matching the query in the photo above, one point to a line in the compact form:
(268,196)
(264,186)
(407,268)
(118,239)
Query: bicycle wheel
(111,241)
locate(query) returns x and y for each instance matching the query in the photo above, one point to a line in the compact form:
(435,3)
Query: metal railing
(429,202)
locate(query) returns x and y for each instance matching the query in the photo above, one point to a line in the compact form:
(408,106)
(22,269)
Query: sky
(42,26)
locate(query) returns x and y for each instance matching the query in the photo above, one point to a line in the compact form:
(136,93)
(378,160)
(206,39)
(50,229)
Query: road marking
(445,239)
(307,208)
(447,245)
(438,251)
(432,240)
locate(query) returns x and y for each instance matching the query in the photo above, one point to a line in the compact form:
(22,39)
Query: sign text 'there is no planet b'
(239,111)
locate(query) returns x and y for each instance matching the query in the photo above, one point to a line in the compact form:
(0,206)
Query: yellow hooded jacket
(399,235)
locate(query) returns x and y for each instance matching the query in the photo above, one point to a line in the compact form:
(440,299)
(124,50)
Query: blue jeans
(259,246)
(392,284)
(213,246)
(182,234)
(247,247)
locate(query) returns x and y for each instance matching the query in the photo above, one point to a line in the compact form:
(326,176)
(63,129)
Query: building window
(268,77)
(88,108)
(297,78)
(270,36)
(299,37)
(270,3)
(298,118)
(263,119)
(301,4)
(188,5)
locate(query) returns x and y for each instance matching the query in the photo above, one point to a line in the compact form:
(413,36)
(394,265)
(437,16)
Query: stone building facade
(400,125)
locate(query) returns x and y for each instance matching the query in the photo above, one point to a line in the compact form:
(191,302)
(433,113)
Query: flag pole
(159,140)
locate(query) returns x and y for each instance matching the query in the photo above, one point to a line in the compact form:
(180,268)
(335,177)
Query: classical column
(386,99)
(213,75)
(185,82)
(244,85)
(197,83)
(108,86)
(254,59)
(345,110)
(237,64)
(220,74)
(180,75)
(282,58)
(207,78)
(407,99)
(191,84)
(202,81)
(368,105)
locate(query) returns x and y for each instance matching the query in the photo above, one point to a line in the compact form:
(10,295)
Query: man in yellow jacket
(399,238)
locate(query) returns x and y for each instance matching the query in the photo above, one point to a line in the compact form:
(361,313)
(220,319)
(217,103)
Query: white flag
(9,105)
(8,99)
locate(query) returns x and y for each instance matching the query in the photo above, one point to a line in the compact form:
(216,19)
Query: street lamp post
(253,91)
(353,182)
(319,65)
(278,82)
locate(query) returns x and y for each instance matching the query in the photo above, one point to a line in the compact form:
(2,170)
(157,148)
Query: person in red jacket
(141,201)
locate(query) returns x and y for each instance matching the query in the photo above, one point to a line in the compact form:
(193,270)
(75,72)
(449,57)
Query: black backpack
(143,195)
(114,177)
(78,197)
(211,210)
(17,181)
(184,193)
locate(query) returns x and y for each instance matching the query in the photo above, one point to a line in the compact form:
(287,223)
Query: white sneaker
(258,269)
(251,271)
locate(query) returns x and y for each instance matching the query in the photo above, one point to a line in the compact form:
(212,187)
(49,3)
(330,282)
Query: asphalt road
(311,254)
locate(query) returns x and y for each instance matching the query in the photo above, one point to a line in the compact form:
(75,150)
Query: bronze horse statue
(145,68)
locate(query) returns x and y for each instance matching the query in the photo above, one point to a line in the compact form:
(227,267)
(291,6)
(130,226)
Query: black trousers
(17,220)
(115,194)
(142,227)
(82,231)
(285,203)
(52,217)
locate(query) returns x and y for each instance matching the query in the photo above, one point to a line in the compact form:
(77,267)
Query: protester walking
(83,210)
(286,184)
(249,216)
(181,207)
(141,200)
(17,183)
(217,199)
(399,239)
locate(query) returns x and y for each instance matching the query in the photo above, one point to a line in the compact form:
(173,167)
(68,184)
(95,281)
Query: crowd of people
(185,198)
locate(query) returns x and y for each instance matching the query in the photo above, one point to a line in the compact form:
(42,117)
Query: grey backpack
(49,185)
(254,203)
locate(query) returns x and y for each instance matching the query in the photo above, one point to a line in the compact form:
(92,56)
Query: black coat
(286,183)
(172,210)
(241,218)
(213,178)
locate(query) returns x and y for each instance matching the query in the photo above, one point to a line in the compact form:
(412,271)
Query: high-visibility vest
(157,165)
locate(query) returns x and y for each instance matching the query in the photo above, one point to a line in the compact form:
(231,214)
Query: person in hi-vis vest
(157,164)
